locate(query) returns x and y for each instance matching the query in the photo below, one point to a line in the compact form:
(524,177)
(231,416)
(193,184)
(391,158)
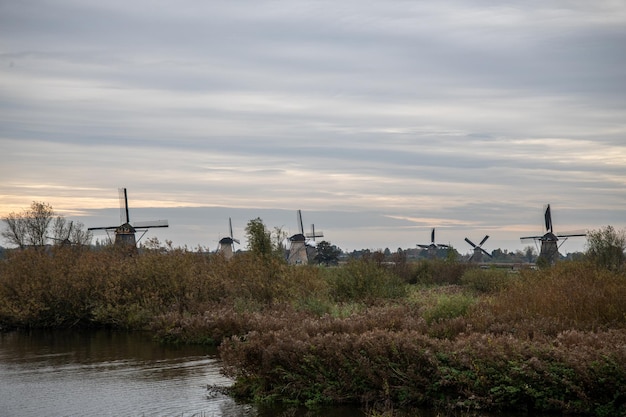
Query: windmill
(227,244)
(477,256)
(313,234)
(549,246)
(65,241)
(433,247)
(125,233)
(298,253)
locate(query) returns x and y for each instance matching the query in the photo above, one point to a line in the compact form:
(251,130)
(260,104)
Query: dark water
(108,374)
(105,373)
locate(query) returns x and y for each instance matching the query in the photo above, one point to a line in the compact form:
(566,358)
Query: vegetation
(385,334)
(606,246)
(37,225)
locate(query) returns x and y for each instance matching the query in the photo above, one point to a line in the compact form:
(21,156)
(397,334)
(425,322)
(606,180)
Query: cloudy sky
(378,119)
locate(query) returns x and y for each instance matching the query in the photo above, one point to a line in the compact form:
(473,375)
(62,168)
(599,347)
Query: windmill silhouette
(313,234)
(433,247)
(65,241)
(227,244)
(549,246)
(298,248)
(477,256)
(125,233)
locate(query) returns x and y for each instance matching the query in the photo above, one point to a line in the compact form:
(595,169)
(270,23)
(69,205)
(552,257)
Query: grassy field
(434,333)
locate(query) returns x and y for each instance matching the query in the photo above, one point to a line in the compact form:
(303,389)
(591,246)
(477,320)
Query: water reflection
(108,373)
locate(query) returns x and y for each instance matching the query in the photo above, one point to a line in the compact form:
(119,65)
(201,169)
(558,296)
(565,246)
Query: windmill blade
(470,242)
(69,230)
(230,225)
(103,228)
(471,258)
(432,236)
(484,240)
(124,216)
(485,252)
(423,246)
(548,219)
(573,235)
(150,224)
(300,222)
(236,241)
(531,237)
(442,246)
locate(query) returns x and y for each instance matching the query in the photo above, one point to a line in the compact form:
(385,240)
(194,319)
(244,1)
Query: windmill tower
(125,233)
(477,256)
(298,248)
(227,244)
(549,247)
(433,247)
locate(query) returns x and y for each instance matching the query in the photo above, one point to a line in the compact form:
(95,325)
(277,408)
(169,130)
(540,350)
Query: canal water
(112,373)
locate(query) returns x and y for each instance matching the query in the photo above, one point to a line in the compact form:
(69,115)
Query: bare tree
(38,219)
(66,232)
(29,227)
(15,230)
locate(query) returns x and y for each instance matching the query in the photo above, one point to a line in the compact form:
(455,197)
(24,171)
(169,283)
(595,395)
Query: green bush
(486,280)
(364,280)
(437,272)
(449,306)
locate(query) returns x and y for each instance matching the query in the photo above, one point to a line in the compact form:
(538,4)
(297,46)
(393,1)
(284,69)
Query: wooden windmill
(433,247)
(227,244)
(298,248)
(549,251)
(477,256)
(125,233)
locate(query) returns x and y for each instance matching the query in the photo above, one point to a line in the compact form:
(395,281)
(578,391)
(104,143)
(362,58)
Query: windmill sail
(125,232)
(549,247)
(478,250)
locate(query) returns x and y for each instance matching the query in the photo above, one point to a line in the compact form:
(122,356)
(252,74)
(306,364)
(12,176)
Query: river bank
(386,338)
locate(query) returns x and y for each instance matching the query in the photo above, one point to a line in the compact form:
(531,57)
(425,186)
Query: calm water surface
(106,373)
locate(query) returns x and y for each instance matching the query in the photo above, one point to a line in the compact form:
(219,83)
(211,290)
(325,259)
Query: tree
(29,227)
(278,239)
(15,231)
(327,253)
(70,233)
(529,253)
(605,247)
(259,238)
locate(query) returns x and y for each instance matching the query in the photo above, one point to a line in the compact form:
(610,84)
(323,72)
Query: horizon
(194,227)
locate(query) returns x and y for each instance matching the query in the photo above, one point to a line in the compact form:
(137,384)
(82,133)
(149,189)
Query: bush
(437,272)
(486,280)
(449,306)
(364,280)
(570,295)
(605,248)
